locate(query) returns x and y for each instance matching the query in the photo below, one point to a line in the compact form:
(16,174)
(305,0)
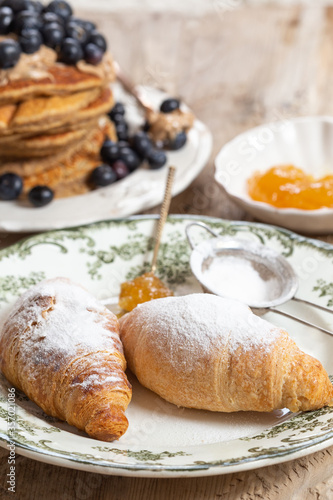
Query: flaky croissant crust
(62,349)
(202,351)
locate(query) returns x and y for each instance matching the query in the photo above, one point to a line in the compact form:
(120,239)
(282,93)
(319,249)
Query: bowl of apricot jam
(282,173)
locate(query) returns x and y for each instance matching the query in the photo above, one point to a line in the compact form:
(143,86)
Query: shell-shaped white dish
(304,142)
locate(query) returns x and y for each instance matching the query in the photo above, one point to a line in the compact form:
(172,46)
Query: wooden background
(236,69)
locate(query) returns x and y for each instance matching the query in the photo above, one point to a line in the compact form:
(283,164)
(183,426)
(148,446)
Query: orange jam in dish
(142,289)
(287,186)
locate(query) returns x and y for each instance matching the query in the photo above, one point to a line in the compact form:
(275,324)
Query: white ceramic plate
(163,440)
(304,142)
(139,191)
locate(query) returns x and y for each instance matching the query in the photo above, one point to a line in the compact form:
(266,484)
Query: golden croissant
(203,351)
(62,348)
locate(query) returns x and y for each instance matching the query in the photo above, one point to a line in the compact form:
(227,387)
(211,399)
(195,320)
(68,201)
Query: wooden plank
(309,478)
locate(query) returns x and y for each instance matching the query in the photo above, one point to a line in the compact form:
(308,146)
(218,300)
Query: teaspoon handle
(163,215)
(308,303)
(303,321)
(130,87)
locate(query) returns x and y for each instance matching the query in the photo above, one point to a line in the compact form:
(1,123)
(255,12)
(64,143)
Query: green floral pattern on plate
(15,285)
(101,256)
(325,289)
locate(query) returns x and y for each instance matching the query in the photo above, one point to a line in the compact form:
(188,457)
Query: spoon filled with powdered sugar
(247,271)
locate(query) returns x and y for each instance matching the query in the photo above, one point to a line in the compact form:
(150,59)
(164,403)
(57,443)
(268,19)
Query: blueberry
(156,159)
(109,151)
(61,8)
(118,118)
(10,52)
(18,5)
(122,131)
(39,196)
(36,6)
(87,25)
(11,186)
(30,41)
(121,169)
(169,105)
(12,4)
(51,17)
(125,149)
(32,6)
(130,158)
(118,109)
(178,142)
(6,19)
(123,144)
(71,51)
(27,20)
(93,54)
(142,144)
(103,176)
(98,39)
(53,34)
(77,31)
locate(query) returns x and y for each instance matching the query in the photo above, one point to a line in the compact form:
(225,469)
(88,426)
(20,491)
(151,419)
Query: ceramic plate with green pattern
(163,440)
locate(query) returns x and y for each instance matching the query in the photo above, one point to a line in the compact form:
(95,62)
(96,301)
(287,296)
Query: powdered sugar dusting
(96,379)
(237,278)
(199,322)
(68,328)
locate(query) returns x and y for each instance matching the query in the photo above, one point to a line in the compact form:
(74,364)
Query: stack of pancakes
(52,126)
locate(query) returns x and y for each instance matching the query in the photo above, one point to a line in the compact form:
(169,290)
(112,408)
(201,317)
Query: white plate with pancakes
(141,190)
(164,440)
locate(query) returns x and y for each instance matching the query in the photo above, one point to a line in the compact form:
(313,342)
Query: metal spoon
(112,302)
(163,215)
(131,88)
(268,263)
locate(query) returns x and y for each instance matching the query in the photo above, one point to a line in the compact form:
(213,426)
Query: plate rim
(152,470)
(289,232)
(203,154)
(167,471)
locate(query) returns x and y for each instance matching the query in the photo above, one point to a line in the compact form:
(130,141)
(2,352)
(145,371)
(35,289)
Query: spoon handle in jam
(163,215)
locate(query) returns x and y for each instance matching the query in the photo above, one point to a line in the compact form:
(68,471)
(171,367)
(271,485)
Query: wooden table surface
(236,68)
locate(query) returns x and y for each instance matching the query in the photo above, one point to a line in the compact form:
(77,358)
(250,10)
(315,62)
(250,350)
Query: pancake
(97,107)
(48,109)
(76,168)
(6,114)
(72,165)
(53,118)
(77,187)
(26,166)
(43,145)
(100,106)
(60,80)
(8,140)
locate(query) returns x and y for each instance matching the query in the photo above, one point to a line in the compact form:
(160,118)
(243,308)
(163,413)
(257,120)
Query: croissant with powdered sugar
(62,349)
(203,351)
